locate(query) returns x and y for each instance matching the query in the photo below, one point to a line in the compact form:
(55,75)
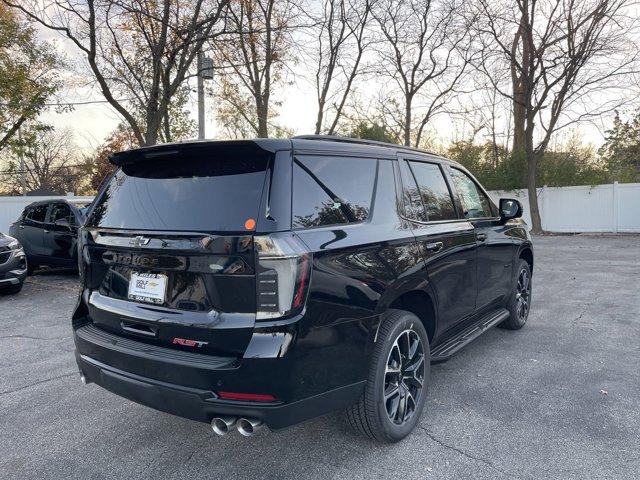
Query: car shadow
(48,272)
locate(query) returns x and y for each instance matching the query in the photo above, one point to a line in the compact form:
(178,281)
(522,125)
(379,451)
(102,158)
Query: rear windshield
(210,194)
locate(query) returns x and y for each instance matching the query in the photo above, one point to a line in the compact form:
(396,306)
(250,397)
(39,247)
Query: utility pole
(200,94)
(23,186)
(205,72)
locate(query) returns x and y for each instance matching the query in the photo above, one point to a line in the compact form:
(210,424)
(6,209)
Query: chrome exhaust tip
(222,425)
(248,426)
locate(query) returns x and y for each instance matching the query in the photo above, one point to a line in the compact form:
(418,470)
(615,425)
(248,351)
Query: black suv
(271,281)
(48,231)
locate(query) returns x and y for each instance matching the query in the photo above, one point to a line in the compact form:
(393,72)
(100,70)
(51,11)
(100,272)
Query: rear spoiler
(178,151)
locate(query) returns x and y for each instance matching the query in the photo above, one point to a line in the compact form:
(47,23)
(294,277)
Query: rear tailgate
(208,293)
(168,247)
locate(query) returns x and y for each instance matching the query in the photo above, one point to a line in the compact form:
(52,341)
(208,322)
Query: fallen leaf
(604,392)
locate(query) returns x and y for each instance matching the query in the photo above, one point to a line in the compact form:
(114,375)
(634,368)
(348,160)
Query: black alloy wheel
(404,377)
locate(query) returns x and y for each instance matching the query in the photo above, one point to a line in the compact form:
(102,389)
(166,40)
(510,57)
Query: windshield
(217,192)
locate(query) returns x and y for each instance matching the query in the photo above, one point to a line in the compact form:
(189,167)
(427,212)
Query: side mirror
(62,222)
(510,208)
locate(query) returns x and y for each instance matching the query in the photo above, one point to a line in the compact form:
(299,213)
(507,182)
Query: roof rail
(361,141)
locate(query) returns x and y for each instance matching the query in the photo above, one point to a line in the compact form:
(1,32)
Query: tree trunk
(407,121)
(263,129)
(319,118)
(262,110)
(519,112)
(532,173)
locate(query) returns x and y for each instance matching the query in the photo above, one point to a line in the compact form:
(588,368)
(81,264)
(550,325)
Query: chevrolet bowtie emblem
(139,241)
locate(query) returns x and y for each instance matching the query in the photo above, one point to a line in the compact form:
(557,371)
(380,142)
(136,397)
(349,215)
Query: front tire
(396,388)
(11,289)
(520,299)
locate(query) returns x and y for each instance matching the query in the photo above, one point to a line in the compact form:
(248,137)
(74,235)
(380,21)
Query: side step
(446,350)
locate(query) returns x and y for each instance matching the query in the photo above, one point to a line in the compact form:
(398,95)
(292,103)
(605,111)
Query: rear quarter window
(330,190)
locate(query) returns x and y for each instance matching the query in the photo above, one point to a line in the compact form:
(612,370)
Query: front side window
(475,203)
(58,211)
(434,191)
(38,213)
(331,190)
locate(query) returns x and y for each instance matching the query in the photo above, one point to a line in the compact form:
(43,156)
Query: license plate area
(148,287)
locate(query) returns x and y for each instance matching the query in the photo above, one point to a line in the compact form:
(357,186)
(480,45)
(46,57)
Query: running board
(446,350)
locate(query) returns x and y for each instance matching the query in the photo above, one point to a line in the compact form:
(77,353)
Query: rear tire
(396,387)
(520,298)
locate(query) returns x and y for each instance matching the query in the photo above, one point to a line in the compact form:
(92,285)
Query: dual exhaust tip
(245,426)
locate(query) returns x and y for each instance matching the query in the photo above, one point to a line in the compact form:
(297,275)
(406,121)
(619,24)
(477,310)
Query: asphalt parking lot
(558,399)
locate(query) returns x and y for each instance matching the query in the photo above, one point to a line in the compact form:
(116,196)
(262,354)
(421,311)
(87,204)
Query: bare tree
(251,61)
(139,52)
(563,61)
(50,160)
(425,52)
(342,37)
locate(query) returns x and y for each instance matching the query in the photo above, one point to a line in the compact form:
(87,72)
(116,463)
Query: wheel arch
(526,253)
(422,305)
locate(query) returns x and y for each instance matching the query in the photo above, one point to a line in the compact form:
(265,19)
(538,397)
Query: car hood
(5,240)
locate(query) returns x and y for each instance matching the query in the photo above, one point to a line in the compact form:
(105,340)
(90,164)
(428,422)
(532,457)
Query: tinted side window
(474,202)
(413,205)
(58,211)
(331,190)
(434,190)
(38,213)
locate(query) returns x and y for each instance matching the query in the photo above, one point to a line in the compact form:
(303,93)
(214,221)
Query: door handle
(434,246)
(481,237)
(21,227)
(46,231)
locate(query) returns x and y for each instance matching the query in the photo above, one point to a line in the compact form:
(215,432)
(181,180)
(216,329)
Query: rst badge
(186,342)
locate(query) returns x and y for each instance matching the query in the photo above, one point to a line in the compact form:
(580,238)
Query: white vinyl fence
(601,208)
(12,207)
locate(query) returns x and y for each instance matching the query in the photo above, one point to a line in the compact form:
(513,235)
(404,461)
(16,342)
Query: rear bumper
(185,384)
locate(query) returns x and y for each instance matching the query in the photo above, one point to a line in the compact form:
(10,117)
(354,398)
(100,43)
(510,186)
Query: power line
(63,167)
(63,104)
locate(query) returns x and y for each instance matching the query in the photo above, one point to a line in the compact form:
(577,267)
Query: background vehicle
(13,264)
(48,231)
(275,280)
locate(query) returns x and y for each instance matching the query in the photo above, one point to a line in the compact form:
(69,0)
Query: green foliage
(27,74)
(499,169)
(495,168)
(621,151)
(371,131)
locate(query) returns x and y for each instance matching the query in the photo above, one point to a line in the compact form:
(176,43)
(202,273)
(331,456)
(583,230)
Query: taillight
(284,270)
